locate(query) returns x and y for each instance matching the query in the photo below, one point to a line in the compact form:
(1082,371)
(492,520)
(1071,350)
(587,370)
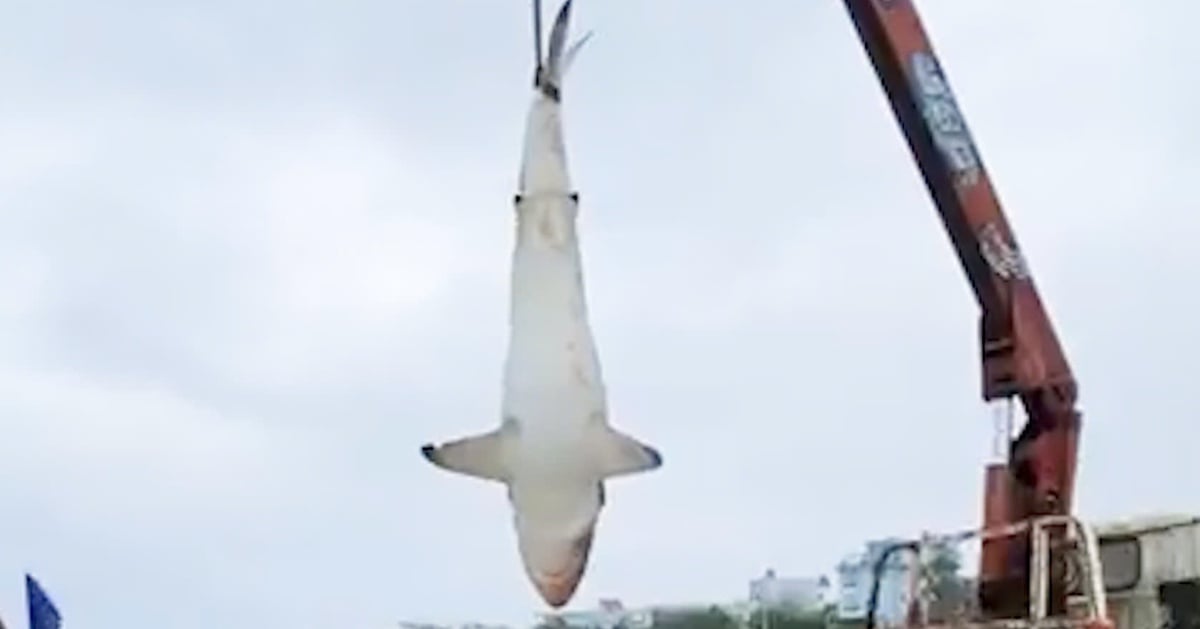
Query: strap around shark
(551,70)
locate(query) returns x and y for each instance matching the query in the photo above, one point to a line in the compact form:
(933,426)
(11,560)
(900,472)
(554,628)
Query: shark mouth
(557,588)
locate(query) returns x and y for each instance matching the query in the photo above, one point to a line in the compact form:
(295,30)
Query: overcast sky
(252,255)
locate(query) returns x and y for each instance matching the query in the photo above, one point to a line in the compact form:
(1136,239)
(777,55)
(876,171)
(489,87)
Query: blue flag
(42,612)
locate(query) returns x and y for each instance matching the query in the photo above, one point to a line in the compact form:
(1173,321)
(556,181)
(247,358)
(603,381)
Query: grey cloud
(253,257)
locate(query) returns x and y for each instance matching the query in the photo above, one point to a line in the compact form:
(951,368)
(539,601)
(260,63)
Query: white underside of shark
(554,447)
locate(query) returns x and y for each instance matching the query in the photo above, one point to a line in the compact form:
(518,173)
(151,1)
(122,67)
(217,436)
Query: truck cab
(1062,551)
(1151,568)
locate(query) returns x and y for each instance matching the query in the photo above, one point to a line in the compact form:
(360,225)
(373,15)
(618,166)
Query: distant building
(855,579)
(422,625)
(611,613)
(797,593)
(945,589)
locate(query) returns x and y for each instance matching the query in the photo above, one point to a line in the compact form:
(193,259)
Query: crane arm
(1020,353)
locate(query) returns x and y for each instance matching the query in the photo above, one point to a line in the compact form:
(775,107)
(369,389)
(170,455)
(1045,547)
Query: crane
(1021,356)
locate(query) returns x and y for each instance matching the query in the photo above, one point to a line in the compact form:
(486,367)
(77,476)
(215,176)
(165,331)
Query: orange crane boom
(1020,352)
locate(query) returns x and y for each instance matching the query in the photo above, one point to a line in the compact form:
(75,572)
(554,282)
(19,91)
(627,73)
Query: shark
(554,447)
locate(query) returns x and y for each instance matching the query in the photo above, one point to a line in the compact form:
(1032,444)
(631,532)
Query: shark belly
(552,380)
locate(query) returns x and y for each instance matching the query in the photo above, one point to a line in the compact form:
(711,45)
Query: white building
(609,614)
(797,593)
(424,625)
(612,613)
(856,578)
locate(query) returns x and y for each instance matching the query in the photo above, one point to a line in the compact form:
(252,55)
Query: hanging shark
(554,447)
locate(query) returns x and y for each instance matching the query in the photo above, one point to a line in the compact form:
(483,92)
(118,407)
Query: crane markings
(943,118)
(1001,255)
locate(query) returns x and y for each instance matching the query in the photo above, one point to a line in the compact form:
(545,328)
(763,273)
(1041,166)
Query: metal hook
(537,40)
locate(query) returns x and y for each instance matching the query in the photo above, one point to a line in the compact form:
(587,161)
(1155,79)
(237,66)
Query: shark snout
(556,580)
(558,588)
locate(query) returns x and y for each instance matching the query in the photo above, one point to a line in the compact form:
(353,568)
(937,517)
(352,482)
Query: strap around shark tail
(550,72)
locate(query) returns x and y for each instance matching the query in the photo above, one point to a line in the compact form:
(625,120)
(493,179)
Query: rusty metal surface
(1049,623)
(1020,353)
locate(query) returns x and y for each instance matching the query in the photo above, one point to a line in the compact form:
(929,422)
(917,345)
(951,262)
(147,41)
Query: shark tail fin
(569,56)
(550,72)
(621,455)
(478,456)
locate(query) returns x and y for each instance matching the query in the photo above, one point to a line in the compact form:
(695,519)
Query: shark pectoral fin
(620,455)
(480,456)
